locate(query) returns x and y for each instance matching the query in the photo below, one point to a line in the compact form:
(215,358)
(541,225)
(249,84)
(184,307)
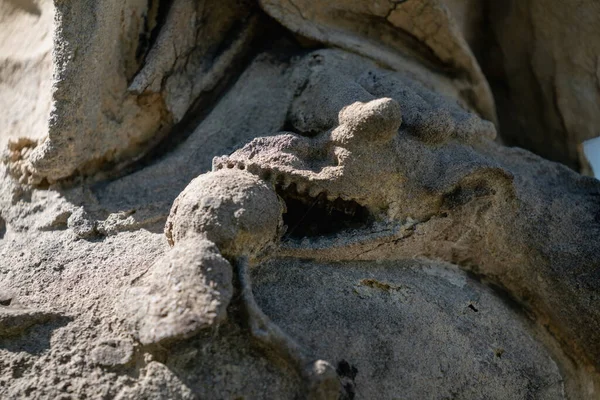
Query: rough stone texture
(14,320)
(479,195)
(440,334)
(186,291)
(395,34)
(361,234)
(88,120)
(147,194)
(234,209)
(148,75)
(25,69)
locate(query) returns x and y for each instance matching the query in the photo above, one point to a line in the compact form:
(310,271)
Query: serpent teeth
(301,187)
(286,182)
(314,191)
(252,168)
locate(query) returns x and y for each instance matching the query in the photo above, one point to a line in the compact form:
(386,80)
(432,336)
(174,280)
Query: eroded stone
(236,210)
(188,290)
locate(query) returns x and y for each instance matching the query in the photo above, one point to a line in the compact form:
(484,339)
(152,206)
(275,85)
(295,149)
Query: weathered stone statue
(344,220)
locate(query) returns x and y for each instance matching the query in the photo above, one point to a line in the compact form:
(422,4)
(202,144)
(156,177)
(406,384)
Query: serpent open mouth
(310,213)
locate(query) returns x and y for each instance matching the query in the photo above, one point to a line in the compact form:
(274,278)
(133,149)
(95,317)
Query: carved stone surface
(295,200)
(550,99)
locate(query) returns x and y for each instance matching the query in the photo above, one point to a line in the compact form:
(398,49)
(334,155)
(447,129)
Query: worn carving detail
(395,34)
(242,215)
(143,95)
(438,171)
(425,188)
(341,219)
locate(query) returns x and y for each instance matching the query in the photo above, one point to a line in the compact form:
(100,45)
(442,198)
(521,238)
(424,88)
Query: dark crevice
(308,216)
(289,126)
(2,228)
(517,306)
(271,36)
(347,370)
(523,102)
(198,110)
(464,194)
(164,6)
(347,374)
(154,20)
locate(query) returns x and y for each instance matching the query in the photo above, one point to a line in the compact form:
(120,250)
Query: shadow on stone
(28,330)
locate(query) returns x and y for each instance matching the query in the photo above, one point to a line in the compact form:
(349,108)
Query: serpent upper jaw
(314,206)
(330,183)
(329,176)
